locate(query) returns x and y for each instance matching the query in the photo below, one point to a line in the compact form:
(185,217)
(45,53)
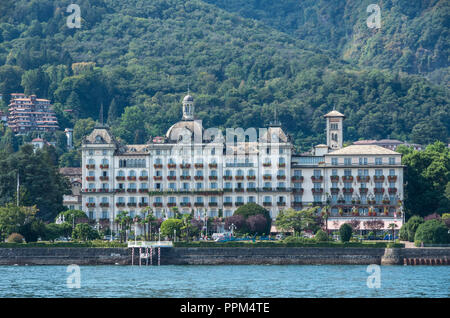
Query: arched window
(121,173)
(132,173)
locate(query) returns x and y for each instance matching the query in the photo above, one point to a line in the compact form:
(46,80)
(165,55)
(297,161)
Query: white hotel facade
(199,170)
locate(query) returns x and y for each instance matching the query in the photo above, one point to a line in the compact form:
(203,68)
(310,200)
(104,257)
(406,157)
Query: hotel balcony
(297,178)
(212,165)
(378,190)
(267,177)
(363,190)
(120,204)
(157,166)
(227,177)
(296,204)
(212,177)
(238,203)
(185,166)
(347,178)
(238,189)
(281,203)
(171,178)
(267,203)
(239,177)
(143,204)
(298,190)
(171,204)
(212,204)
(143,178)
(90,166)
(227,190)
(131,178)
(90,205)
(104,178)
(334,190)
(185,177)
(317,179)
(132,204)
(282,189)
(90,178)
(171,166)
(199,204)
(131,190)
(347,190)
(378,178)
(251,177)
(392,190)
(120,178)
(157,204)
(281,177)
(334,178)
(228,204)
(157,178)
(104,166)
(185,204)
(103,190)
(281,165)
(314,190)
(267,164)
(104,205)
(363,178)
(143,190)
(198,177)
(252,189)
(392,178)
(198,165)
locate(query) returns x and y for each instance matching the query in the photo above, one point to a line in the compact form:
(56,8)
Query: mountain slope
(146,53)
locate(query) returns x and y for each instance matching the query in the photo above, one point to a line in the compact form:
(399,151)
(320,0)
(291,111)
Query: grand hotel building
(199,170)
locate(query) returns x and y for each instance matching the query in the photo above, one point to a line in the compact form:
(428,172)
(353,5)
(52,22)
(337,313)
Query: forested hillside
(413,38)
(137,58)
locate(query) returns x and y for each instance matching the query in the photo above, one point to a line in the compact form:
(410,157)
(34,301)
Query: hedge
(281,244)
(64,244)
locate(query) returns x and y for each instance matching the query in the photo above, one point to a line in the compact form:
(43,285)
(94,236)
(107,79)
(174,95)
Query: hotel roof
(334,113)
(363,150)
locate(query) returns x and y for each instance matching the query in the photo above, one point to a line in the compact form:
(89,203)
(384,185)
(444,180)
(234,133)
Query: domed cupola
(188,107)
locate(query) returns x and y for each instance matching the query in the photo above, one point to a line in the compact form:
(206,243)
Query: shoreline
(226,256)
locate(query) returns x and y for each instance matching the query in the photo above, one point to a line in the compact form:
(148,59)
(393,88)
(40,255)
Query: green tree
(408,230)
(345,232)
(82,128)
(432,232)
(84,232)
(13,219)
(170,225)
(298,221)
(253,209)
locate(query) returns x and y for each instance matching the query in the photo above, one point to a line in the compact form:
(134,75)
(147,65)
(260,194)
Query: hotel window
(132,173)
(392,172)
(378,198)
(378,172)
(334,184)
(317,186)
(213,199)
(198,186)
(227,185)
(105,161)
(267,185)
(378,161)
(348,198)
(317,198)
(363,161)
(199,200)
(267,199)
(91,173)
(185,199)
(185,186)
(121,200)
(347,172)
(347,161)
(334,198)
(334,172)
(144,173)
(105,215)
(228,173)
(281,185)
(172,186)
(121,173)
(91,214)
(317,173)
(172,173)
(91,161)
(213,185)
(251,185)
(297,173)
(172,200)
(199,173)
(298,198)
(392,161)
(251,199)
(240,199)
(334,161)
(240,173)
(228,199)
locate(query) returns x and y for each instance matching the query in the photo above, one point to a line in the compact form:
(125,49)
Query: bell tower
(334,129)
(188,107)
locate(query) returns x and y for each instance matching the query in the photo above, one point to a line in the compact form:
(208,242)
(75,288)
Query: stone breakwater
(227,256)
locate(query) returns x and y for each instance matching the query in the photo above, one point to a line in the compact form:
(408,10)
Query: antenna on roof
(101,114)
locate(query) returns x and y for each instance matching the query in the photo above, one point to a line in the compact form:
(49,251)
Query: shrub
(432,232)
(251,209)
(345,232)
(15,238)
(84,232)
(408,230)
(170,225)
(321,236)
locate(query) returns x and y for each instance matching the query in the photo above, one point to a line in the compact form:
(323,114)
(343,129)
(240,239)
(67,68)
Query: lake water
(225,281)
